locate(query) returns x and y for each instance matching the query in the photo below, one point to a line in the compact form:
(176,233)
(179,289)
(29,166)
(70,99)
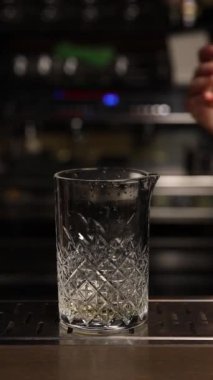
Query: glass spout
(152,180)
(148,182)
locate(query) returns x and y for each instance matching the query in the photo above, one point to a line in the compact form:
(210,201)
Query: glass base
(96,327)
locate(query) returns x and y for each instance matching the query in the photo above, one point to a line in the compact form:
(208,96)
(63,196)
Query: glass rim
(64,175)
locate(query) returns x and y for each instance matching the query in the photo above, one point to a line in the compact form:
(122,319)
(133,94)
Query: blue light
(58,94)
(110,99)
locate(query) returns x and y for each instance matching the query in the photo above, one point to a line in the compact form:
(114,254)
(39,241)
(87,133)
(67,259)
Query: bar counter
(106,362)
(176,343)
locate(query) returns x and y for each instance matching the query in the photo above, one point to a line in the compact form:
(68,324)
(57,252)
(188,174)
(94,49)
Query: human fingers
(202,110)
(208,96)
(206,53)
(200,84)
(205,69)
(203,100)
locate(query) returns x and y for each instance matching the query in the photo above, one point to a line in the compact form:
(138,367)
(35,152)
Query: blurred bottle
(189,13)
(9,10)
(182,12)
(31,141)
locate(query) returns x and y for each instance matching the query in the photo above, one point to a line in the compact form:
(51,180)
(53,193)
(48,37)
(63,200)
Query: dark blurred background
(103,82)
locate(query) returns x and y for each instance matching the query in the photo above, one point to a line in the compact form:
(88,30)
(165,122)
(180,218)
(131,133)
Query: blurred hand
(200,96)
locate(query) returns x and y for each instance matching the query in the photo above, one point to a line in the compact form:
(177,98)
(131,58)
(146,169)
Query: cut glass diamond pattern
(101,282)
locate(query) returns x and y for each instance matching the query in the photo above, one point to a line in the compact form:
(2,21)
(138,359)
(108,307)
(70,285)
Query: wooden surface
(106,363)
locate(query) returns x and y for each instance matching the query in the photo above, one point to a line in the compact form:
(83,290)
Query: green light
(97,57)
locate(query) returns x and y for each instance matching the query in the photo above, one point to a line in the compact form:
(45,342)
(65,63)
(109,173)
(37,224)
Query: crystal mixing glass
(102,236)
